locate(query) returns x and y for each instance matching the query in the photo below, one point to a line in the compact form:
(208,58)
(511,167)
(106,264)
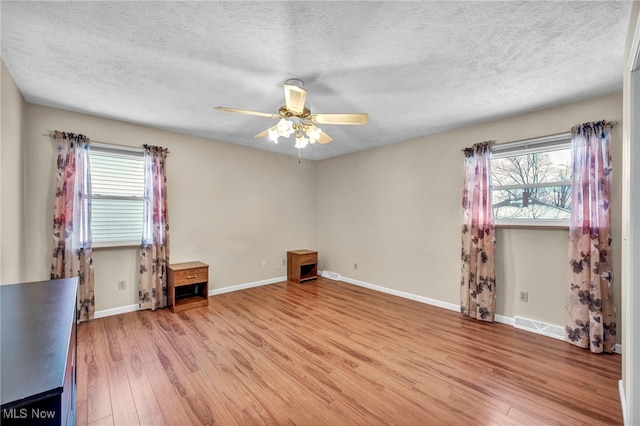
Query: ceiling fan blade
(294,98)
(324,138)
(265,133)
(245,112)
(348,119)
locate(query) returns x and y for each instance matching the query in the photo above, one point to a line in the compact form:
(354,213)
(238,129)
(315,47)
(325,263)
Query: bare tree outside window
(533,186)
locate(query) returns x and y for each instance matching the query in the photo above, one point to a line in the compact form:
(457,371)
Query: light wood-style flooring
(329,353)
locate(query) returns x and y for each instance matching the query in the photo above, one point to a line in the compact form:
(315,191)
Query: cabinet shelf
(190,302)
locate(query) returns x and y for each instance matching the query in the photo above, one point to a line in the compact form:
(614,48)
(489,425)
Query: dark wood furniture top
(38,337)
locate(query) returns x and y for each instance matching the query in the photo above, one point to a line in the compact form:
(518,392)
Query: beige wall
(519,256)
(12,181)
(395,211)
(229,206)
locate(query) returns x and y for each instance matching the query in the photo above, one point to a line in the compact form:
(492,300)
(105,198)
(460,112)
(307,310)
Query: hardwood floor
(329,353)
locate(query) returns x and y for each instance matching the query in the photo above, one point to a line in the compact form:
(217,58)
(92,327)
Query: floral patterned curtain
(72,220)
(154,252)
(591,316)
(478,284)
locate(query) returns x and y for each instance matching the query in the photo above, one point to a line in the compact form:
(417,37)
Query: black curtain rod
(51,134)
(613,123)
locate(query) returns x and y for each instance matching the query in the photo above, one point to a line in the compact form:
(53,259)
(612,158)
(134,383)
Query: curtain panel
(154,250)
(478,286)
(590,310)
(72,220)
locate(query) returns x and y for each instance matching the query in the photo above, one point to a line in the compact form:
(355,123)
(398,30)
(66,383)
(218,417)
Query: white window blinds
(117,193)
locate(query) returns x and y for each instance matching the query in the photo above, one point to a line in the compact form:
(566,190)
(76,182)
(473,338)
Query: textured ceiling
(416,68)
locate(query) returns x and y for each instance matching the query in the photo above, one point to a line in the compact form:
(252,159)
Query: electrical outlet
(355,266)
(524,296)
(264,263)
(122,285)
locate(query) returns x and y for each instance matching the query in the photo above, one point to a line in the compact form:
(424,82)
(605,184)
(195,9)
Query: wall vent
(545,329)
(331,275)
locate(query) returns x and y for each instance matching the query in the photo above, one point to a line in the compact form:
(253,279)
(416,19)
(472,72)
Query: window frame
(531,146)
(120,150)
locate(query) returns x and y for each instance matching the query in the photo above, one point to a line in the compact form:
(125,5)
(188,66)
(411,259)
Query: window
(531,182)
(117,195)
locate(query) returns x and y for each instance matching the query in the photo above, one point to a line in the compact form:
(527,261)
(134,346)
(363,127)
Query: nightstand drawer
(190,276)
(308,259)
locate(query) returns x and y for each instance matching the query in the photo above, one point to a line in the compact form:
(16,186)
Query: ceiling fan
(296,118)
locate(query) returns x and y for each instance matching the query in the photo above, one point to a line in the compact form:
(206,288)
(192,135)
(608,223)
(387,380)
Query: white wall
(630,276)
(395,211)
(229,206)
(12,180)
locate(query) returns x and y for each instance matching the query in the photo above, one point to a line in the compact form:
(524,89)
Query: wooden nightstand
(188,285)
(302,265)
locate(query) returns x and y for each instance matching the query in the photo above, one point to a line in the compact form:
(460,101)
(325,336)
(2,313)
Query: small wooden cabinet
(188,284)
(302,265)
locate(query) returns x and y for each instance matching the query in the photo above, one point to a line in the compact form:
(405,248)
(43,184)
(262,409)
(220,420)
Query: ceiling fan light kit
(295,118)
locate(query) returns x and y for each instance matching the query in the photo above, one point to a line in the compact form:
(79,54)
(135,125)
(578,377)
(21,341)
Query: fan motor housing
(286,113)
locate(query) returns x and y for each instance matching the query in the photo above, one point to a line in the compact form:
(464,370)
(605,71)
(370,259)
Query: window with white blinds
(117,195)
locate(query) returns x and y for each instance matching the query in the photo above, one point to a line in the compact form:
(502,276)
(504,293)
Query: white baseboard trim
(403,294)
(623,401)
(532,326)
(505,320)
(132,308)
(246,285)
(116,311)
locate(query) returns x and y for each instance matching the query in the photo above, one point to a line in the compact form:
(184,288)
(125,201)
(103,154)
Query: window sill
(533,224)
(115,245)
